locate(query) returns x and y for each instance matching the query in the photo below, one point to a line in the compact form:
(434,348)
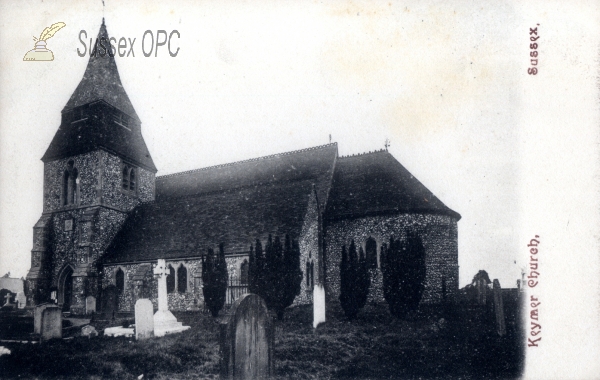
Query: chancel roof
(376,183)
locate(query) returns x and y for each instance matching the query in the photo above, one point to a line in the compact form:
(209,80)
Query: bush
(354,281)
(403,267)
(214,278)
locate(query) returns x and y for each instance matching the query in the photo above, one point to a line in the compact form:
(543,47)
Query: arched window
(371,248)
(120,280)
(128,182)
(181,279)
(132,179)
(312,274)
(125,182)
(70,181)
(73,186)
(171,280)
(244,272)
(65,193)
(307,274)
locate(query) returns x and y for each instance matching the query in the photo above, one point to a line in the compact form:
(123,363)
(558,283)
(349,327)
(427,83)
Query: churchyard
(461,341)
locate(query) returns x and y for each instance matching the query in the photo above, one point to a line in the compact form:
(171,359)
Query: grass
(373,346)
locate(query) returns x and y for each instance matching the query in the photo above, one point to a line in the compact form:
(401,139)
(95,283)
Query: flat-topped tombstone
(37,316)
(51,323)
(90,305)
(144,319)
(499,309)
(247,340)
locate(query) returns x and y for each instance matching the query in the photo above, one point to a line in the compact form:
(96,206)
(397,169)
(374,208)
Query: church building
(107,218)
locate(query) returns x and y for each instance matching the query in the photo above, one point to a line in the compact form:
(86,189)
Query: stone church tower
(96,169)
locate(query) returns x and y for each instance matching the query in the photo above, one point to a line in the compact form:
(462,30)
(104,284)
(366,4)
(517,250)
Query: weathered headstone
(481,291)
(144,319)
(89,331)
(90,305)
(21,300)
(499,309)
(37,316)
(51,323)
(247,340)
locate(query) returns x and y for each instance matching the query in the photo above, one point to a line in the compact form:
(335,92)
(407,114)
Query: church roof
(375,183)
(186,227)
(100,96)
(315,163)
(101,81)
(233,203)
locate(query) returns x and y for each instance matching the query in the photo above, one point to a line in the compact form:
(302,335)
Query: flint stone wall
(439,235)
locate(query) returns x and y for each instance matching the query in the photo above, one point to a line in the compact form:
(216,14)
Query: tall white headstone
(318,305)
(144,321)
(164,321)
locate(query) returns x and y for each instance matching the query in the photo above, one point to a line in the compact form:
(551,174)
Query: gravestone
(318,305)
(21,300)
(481,291)
(89,331)
(110,300)
(90,305)
(37,316)
(164,321)
(144,319)
(51,323)
(247,340)
(499,309)
(8,297)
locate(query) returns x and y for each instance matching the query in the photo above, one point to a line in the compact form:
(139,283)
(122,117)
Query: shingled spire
(101,80)
(99,114)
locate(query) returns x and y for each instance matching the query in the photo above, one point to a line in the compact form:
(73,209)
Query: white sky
(446,82)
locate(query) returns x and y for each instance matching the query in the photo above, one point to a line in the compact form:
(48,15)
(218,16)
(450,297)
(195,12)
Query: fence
(235,288)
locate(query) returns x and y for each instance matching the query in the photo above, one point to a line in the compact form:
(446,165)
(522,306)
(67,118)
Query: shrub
(403,267)
(214,279)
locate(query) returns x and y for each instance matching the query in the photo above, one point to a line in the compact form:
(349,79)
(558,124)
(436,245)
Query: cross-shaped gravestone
(164,321)
(161,272)
(7,296)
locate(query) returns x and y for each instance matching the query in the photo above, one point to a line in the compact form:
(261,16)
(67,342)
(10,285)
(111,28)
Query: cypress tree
(292,276)
(403,267)
(214,279)
(275,273)
(363,279)
(354,281)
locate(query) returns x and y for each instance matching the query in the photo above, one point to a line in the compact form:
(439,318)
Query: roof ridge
(247,160)
(365,153)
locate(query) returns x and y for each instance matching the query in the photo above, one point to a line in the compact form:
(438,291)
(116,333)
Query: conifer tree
(292,276)
(403,267)
(363,279)
(214,279)
(354,281)
(275,274)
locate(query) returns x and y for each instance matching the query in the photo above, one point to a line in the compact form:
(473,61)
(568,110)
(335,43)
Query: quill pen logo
(40,53)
